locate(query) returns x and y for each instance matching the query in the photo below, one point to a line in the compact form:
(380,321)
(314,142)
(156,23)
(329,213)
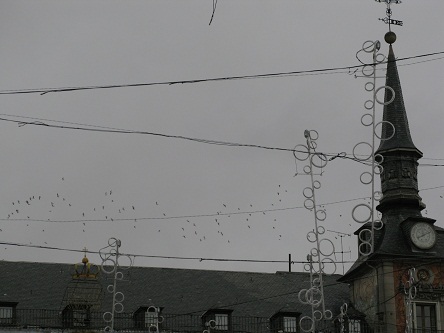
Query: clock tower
(408,251)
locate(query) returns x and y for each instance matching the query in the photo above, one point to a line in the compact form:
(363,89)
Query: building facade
(399,285)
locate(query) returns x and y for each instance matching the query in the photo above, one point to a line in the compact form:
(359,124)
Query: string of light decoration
(409,294)
(365,213)
(110,264)
(323,248)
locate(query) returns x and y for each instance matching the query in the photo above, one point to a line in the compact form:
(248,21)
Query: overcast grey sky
(164,194)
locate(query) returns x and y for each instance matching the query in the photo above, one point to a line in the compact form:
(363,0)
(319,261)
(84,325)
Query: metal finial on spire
(388,19)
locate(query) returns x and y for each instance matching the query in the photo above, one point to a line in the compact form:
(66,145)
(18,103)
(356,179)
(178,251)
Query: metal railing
(83,320)
(127,322)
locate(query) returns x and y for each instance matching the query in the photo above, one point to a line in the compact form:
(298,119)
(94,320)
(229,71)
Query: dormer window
(222,321)
(290,324)
(76,316)
(217,320)
(7,313)
(148,317)
(354,325)
(283,322)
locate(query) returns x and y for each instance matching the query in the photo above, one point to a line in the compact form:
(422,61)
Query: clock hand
(424,234)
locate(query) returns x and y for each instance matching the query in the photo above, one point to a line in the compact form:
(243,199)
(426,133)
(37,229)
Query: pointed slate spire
(394,112)
(399,181)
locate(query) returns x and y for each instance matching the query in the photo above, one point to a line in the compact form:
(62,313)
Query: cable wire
(44,91)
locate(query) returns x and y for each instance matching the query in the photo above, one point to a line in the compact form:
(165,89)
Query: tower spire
(399,180)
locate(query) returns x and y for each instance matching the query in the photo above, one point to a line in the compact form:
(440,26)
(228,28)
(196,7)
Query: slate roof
(178,291)
(395,113)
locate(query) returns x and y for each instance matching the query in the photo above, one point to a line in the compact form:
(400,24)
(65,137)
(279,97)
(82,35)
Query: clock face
(423,235)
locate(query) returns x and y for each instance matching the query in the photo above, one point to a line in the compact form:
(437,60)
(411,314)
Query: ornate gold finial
(85,270)
(85,259)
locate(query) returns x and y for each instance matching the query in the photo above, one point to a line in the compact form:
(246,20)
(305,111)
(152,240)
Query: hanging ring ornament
(369,86)
(119,297)
(301,293)
(380,59)
(112,266)
(118,307)
(364,235)
(301,153)
(306,324)
(368,46)
(110,288)
(127,266)
(317,184)
(307,267)
(321,215)
(328,314)
(311,294)
(107,317)
(119,276)
(378,169)
(362,143)
(377,195)
(379,158)
(321,230)
(366,178)
(314,135)
(369,104)
(377,224)
(327,250)
(365,248)
(367,119)
(387,123)
(367,72)
(114,242)
(328,261)
(314,253)
(319,160)
(308,192)
(307,169)
(362,220)
(316,283)
(389,101)
(317,315)
(311,236)
(309,204)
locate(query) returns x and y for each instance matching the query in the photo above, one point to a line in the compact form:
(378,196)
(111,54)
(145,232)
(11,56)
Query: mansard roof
(178,291)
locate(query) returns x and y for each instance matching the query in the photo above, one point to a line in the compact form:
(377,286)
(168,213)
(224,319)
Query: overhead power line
(330,70)
(104,129)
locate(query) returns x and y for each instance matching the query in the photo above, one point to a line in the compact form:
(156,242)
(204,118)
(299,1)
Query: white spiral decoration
(110,263)
(365,213)
(320,254)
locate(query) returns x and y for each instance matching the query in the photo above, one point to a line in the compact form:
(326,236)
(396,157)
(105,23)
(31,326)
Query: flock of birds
(41,212)
(45,210)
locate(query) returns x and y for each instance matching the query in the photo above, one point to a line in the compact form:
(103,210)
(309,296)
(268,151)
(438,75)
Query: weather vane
(388,19)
